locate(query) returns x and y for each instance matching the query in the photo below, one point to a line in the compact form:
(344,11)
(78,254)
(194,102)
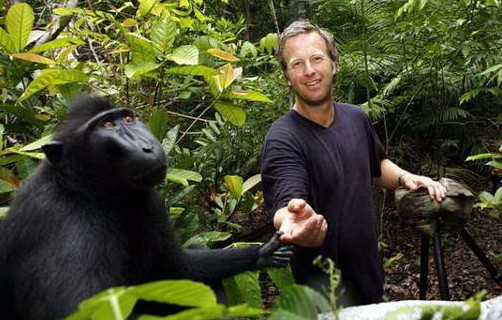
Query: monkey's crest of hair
(80,111)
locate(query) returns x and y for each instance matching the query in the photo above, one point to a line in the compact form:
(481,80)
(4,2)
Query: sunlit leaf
(178,292)
(145,6)
(136,69)
(52,77)
(222,55)
(234,114)
(234,185)
(251,182)
(32,57)
(188,55)
(142,48)
(183,176)
(19,23)
(247,95)
(56,44)
(243,288)
(113,303)
(163,34)
(158,123)
(6,42)
(37,144)
(193,70)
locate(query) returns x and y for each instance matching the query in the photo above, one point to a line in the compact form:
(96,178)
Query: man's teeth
(312,83)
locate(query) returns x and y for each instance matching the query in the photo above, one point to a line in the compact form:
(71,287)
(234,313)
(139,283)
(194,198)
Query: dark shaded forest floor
(465,273)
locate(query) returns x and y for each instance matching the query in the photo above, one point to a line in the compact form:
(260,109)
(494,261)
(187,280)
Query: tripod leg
(424,266)
(496,276)
(439,260)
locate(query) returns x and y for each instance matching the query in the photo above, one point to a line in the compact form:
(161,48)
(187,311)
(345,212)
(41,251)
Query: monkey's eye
(109,125)
(128,119)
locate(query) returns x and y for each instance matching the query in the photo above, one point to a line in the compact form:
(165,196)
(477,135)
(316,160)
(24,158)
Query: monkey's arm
(217,264)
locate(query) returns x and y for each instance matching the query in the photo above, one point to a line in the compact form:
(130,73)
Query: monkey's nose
(147,148)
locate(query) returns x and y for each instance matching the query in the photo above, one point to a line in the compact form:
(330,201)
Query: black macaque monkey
(89,218)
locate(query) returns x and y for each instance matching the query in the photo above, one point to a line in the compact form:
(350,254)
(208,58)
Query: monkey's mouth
(151,178)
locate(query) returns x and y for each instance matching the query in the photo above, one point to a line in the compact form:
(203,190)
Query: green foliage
(491,202)
(118,303)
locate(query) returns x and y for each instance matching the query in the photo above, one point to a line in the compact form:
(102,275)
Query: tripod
(439,259)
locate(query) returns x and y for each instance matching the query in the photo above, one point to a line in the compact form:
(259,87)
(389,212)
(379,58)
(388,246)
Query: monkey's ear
(53,151)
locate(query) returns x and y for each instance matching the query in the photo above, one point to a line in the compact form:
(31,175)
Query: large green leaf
(158,123)
(281,277)
(145,6)
(56,44)
(142,48)
(114,303)
(243,288)
(136,69)
(163,34)
(6,187)
(179,292)
(53,77)
(187,55)
(193,70)
(205,313)
(169,141)
(183,176)
(234,114)
(251,182)
(37,144)
(246,95)
(234,185)
(6,42)
(19,23)
(302,301)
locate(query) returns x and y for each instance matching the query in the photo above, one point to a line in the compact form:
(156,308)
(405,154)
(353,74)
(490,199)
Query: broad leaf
(281,277)
(302,301)
(243,288)
(19,23)
(234,114)
(251,182)
(234,185)
(162,35)
(37,144)
(145,6)
(246,95)
(56,44)
(179,292)
(136,69)
(170,139)
(142,48)
(222,55)
(6,42)
(158,123)
(187,55)
(193,70)
(52,77)
(183,176)
(6,187)
(114,303)
(32,57)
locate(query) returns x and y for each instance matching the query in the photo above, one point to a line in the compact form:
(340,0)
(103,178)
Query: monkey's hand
(274,253)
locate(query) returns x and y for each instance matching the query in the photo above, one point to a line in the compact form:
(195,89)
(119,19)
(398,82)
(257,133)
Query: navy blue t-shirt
(332,169)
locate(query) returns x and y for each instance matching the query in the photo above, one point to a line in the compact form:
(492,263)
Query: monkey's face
(124,146)
(112,150)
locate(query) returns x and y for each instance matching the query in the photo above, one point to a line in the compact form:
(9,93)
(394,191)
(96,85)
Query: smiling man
(319,161)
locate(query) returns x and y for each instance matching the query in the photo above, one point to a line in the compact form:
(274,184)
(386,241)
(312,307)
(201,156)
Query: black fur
(89,218)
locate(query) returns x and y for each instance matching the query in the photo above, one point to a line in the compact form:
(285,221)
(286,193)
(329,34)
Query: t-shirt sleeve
(283,170)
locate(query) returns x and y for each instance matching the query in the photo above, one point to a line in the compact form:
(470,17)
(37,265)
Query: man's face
(309,69)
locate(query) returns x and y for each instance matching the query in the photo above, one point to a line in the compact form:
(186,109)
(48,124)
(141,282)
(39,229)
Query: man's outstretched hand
(301,225)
